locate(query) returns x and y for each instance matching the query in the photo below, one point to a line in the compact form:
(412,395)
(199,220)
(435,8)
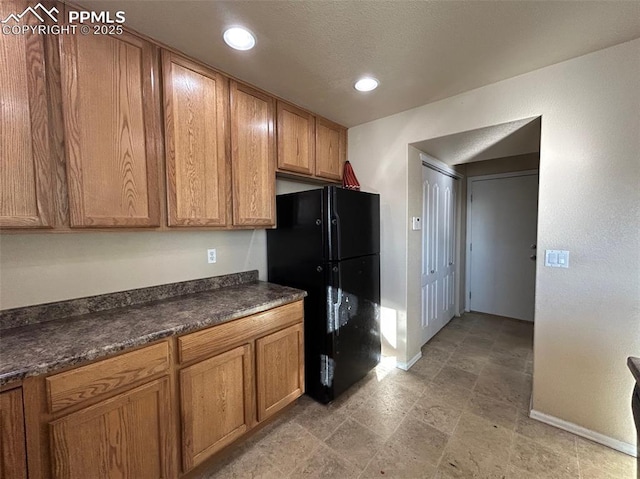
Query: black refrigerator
(327,242)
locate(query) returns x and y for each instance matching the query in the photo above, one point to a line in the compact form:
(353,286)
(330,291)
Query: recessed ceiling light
(366,84)
(239,38)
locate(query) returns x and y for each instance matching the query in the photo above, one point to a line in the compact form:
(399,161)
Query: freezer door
(354,223)
(354,317)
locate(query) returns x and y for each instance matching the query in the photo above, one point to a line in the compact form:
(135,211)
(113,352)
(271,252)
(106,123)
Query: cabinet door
(125,436)
(296,139)
(111,122)
(12,446)
(252,157)
(217,403)
(280,369)
(25,168)
(331,149)
(196,110)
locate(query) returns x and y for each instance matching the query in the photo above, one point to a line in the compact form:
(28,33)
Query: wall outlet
(211,255)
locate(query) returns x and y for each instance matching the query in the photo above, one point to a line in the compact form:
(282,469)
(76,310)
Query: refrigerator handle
(337,298)
(335,235)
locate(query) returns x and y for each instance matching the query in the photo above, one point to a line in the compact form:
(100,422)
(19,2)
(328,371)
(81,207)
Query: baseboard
(406,366)
(621,446)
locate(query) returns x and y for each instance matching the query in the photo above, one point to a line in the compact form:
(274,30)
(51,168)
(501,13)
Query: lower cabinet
(245,371)
(217,400)
(13,462)
(280,370)
(143,413)
(125,436)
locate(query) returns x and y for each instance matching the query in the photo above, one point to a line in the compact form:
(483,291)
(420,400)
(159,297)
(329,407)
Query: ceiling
(497,141)
(311,51)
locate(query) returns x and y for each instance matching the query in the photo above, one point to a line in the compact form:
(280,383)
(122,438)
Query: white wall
(588,316)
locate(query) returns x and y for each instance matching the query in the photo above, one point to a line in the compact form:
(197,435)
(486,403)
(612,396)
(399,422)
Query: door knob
(433,271)
(532,257)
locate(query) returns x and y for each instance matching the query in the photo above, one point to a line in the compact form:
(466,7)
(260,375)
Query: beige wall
(41,268)
(587,317)
(530,161)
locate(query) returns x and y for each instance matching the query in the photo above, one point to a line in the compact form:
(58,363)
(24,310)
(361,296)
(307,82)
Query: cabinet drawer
(86,382)
(225,336)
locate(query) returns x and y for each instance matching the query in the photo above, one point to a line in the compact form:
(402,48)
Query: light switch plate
(556,258)
(416,223)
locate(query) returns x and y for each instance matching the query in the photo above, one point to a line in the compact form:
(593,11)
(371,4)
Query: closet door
(438,279)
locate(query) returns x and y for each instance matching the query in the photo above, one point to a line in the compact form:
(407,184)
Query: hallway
(460,412)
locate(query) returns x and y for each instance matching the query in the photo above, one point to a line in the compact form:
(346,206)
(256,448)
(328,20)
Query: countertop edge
(114,349)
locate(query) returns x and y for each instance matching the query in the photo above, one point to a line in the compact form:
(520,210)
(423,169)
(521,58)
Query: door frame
(470,180)
(443,168)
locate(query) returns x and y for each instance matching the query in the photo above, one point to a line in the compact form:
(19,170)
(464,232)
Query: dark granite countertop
(634,365)
(39,348)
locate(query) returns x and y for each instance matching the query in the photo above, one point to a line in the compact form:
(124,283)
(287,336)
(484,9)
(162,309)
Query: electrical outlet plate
(211,255)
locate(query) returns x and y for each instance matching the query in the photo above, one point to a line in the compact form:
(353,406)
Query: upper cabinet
(26,199)
(196,106)
(110,102)
(331,149)
(296,139)
(104,132)
(308,146)
(252,156)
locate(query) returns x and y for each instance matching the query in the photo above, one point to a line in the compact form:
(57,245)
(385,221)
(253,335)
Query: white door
(503,223)
(438,251)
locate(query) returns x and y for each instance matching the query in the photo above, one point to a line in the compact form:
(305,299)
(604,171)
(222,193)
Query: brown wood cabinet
(84,144)
(26,199)
(13,462)
(280,369)
(196,104)
(252,156)
(142,413)
(124,436)
(110,102)
(309,147)
(217,403)
(296,139)
(331,149)
(237,363)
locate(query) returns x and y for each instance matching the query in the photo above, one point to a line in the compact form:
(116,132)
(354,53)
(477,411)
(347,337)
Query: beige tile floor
(460,412)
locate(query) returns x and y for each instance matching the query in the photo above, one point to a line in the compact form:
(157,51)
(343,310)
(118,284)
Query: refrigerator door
(354,223)
(354,317)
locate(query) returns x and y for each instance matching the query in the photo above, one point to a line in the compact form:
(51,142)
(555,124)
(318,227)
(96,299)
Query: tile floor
(460,412)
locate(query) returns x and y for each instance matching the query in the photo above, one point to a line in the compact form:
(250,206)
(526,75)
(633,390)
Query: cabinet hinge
(469,294)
